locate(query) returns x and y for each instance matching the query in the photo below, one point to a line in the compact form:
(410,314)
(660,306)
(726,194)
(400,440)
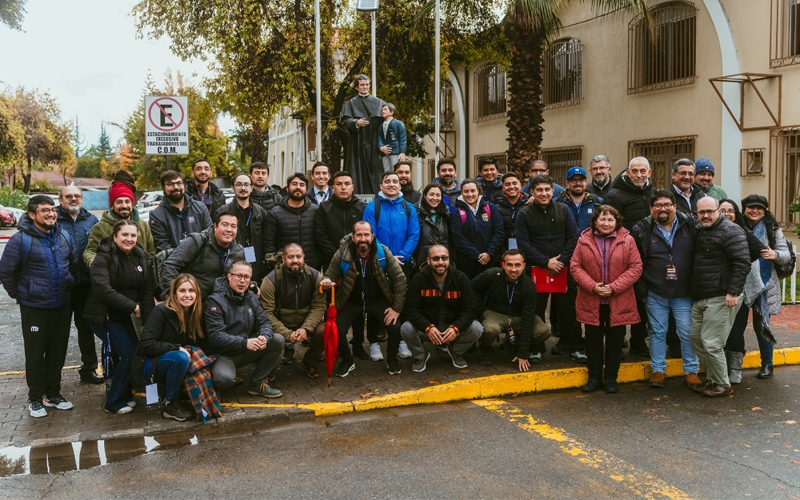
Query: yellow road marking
(640,483)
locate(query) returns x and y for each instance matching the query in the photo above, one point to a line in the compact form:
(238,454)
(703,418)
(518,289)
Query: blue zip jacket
(79,229)
(583,213)
(481,232)
(47,278)
(397,230)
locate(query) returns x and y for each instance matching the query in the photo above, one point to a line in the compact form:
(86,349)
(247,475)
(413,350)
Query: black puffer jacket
(258,234)
(217,196)
(200,256)
(266,199)
(334,220)
(162,334)
(721,260)
(294,225)
(410,194)
(433,232)
(231,319)
(169,226)
(632,201)
(426,305)
(119,283)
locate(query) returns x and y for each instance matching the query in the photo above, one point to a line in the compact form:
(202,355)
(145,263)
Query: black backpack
(785,270)
(157,262)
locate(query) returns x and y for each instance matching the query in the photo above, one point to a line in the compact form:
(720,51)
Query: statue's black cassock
(362,158)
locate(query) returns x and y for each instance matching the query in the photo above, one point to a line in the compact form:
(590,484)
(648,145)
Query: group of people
(206,287)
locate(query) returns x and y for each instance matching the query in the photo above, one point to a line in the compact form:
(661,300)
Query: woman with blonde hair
(174,325)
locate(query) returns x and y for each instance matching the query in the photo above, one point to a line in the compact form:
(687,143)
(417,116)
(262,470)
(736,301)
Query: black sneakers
(175,411)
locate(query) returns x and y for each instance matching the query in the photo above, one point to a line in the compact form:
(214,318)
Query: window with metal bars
(662,153)
(784,172)
(490,92)
(563,73)
(665,55)
(751,163)
(559,160)
(784,33)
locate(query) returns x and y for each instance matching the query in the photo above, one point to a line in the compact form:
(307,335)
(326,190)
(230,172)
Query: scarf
(756,285)
(198,385)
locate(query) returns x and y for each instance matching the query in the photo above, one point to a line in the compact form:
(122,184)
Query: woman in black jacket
(121,287)
(434,222)
(176,322)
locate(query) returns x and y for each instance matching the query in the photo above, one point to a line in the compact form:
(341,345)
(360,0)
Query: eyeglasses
(724,211)
(239,185)
(663,206)
(704,213)
(46,211)
(538,172)
(71,196)
(437,258)
(176,184)
(241,277)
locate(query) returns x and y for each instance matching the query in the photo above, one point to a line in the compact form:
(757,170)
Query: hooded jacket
(105,227)
(391,281)
(48,276)
(285,224)
(396,228)
(200,255)
(426,305)
(79,229)
(632,202)
(119,283)
(231,319)
(582,213)
(333,221)
(169,225)
(217,196)
(267,198)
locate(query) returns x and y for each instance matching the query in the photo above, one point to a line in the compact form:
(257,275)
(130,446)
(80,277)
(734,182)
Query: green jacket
(714,191)
(106,225)
(299,307)
(392,281)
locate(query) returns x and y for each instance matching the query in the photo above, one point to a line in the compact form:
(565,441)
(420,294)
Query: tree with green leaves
(12,12)
(205,138)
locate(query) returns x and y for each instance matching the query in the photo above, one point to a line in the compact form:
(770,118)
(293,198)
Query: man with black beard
(403,170)
(292,221)
(178,215)
(252,219)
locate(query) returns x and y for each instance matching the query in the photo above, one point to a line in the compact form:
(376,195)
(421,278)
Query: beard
(74,209)
(175,196)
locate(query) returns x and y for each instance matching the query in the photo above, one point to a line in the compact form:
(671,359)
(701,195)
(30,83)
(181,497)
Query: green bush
(14,199)
(42,186)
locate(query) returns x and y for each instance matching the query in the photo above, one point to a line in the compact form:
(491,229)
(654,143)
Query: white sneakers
(375,353)
(57,402)
(36,409)
(403,352)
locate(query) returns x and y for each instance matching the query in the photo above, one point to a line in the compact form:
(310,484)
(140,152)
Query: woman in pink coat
(605,265)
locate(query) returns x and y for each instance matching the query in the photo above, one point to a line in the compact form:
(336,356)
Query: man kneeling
(440,306)
(290,296)
(239,330)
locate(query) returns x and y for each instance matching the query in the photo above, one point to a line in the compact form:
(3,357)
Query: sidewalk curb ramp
(509,384)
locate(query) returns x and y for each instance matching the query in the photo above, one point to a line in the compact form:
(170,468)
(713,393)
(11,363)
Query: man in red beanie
(120,199)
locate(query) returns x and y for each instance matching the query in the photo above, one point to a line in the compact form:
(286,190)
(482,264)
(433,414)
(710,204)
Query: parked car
(228,192)
(150,199)
(7,218)
(16,212)
(144,212)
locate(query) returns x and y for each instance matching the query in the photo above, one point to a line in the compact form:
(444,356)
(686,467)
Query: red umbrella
(331,336)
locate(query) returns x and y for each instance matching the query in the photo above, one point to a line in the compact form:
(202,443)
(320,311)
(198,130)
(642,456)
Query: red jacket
(625,267)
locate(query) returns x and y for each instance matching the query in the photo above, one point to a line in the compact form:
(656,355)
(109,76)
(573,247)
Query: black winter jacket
(410,194)
(119,283)
(334,220)
(509,214)
(543,233)
(294,225)
(217,196)
(721,260)
(433,233)
(681,204)
(426,305)
(599,192)
(267,199)
(162,334)
(492,291)
(632,202)
(200,256)
(169,226)
(258,234)
(231,319)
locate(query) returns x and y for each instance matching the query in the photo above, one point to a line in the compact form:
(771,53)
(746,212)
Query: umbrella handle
(333,294)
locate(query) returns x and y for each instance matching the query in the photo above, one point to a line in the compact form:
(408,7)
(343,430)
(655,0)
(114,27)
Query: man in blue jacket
(581,203)
(391,138)
(78,222)
(38,269)
(395,224)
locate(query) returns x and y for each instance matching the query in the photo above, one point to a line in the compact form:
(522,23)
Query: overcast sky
(85,53)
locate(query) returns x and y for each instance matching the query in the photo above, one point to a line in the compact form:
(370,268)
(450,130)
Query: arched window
(563,73)
(664,56)
(490,92)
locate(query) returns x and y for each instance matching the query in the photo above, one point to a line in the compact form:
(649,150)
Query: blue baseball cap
(572,172)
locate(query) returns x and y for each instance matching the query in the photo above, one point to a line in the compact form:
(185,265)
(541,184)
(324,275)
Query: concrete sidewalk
(368,387)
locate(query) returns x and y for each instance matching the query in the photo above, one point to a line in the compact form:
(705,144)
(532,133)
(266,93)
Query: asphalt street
(667,443)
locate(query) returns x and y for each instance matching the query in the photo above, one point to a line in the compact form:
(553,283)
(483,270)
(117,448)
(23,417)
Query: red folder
(549,284)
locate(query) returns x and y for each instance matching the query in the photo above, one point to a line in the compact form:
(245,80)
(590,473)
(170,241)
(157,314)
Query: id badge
(250,254)
(151,393)
(512,243)
(672,272)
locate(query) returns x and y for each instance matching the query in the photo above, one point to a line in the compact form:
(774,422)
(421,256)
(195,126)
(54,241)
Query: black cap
(755,200)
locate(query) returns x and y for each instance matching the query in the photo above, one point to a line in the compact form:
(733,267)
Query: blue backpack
(27,240)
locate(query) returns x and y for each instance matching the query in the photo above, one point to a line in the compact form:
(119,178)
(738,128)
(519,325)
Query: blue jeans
(123,344)
(658,309)
(170,371)
(764,345)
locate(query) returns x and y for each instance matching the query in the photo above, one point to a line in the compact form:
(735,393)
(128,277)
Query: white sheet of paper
(512,243)
(250,254)
(151,392)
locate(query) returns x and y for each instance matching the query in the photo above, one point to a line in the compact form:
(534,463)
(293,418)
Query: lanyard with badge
(512,339)
(363,261)
(225,260)
(672,271)
(512,242)
(249,250)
